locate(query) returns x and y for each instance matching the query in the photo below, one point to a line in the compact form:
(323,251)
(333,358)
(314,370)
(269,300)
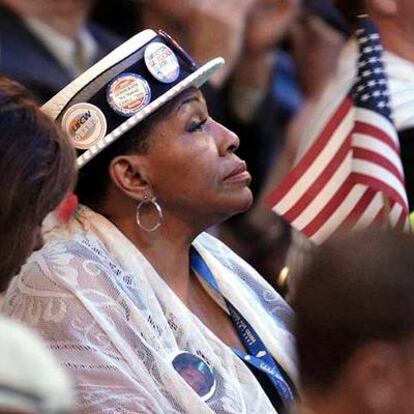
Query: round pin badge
(196,373)
(85,124)
(161,62)
(128,93)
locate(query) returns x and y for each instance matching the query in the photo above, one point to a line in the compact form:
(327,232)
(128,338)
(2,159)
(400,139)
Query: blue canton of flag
(370,90)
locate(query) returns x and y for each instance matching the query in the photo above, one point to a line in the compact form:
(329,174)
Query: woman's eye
(197,126)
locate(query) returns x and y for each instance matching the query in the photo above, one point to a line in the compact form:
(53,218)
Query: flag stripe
(395,213)
(374,157)
(376,184)
(339,126)
(328,209)
(380,218)
(383,178)
(371,130)
(320,183)
(385,181)
(338,178)
(401,221)
(378,126)
(332,222)
(372,211)
(375,145)
(359,209)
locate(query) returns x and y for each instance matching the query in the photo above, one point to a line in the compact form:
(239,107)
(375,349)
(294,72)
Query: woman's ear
(386,8)
(127,172)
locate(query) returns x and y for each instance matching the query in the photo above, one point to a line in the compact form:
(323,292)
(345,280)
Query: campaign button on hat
(85,124)
(161,62)
(128,93)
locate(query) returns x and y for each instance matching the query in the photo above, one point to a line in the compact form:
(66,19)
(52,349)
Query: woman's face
(192,167)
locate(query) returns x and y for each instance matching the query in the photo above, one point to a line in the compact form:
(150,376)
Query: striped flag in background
(351,176)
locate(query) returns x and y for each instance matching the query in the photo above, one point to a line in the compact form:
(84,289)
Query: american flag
(351,176)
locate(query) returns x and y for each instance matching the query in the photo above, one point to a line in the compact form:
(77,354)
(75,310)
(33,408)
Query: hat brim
(58,103)
(195,79)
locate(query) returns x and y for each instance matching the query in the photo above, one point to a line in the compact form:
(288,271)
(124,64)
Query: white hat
(123,88)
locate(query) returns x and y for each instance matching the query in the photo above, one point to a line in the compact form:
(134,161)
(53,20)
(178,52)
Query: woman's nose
(227,140)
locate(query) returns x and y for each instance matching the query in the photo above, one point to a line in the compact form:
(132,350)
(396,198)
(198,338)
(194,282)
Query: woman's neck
(167,249)
(171,260)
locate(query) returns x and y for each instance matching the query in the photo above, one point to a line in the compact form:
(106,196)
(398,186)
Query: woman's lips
(239,174)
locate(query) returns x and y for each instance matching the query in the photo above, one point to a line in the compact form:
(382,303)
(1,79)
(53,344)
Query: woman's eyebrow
(188,100)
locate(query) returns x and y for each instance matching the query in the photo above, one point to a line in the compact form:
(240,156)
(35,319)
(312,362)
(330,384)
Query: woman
(36,171)
(132,291)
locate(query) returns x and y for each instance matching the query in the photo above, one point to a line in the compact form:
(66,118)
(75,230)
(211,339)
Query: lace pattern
(114,323)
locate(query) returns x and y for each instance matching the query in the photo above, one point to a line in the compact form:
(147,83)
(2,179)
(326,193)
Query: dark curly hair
(94,176)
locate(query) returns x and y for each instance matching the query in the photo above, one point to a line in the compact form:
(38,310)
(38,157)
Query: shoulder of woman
(256,285)
(66,264)
(215,246)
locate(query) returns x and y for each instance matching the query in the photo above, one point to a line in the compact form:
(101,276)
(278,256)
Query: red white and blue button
(128,93)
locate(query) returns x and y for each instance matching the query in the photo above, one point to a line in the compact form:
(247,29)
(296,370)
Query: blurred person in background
(355,326)
(37,169)
(44,44)
(139,290)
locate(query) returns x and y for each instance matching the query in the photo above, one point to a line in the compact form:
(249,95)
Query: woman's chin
(248,199)
(242,201)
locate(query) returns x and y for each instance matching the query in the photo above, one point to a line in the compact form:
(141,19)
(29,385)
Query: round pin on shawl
(128,93)
(161,62)
(196,373)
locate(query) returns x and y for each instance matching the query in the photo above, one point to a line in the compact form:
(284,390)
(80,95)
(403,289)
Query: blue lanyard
(258,355)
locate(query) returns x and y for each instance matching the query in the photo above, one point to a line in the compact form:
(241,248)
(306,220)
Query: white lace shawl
(114,323)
